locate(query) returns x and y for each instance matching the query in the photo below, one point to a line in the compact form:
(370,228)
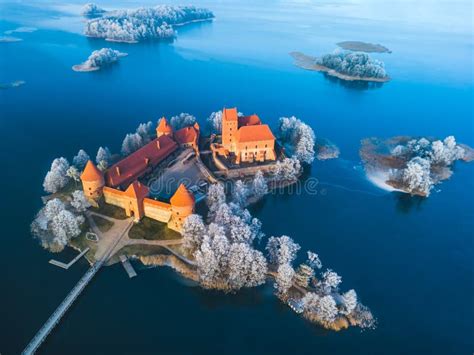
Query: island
(98,59)
(346,66)
(143,204)
(411,165)
(358,46)
(133,26)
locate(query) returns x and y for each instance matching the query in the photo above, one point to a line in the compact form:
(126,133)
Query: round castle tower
(92,181)
(164,128)
(182,205)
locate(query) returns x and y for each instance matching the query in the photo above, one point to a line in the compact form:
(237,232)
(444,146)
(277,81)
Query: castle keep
(245,137)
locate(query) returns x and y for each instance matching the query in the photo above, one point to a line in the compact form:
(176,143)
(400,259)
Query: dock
(72,262)
(127,266)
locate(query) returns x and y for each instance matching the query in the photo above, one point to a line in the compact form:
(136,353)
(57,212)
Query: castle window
(90,188)
(256,146)
(266,145)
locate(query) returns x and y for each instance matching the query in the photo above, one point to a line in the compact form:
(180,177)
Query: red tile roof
(255,133)
(186,135)
(163,126)
(182,197)
(249,120)
(137,163)
(91,173)
(229,114)
(136,190)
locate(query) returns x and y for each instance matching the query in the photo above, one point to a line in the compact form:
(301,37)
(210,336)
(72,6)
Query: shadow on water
(406,203)
(213,299)
(354,85)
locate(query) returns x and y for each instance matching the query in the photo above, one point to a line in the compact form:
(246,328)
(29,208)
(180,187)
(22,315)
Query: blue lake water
(410,260)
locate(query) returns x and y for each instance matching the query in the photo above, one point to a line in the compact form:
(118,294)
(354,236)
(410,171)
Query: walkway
(76,291)
(72,262)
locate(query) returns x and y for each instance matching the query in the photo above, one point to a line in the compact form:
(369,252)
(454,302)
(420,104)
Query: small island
(91,10)
(9,39)
(13,84)
(357,46)
(99,59)
(411,165)
(143,203)
(346,66)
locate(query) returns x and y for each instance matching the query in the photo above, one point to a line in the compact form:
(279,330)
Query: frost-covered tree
(103,158)
(215,197)
(79,201)
(446,152)
(287,170)
(416,177)
(215,122)
(299,136)
(207,262)
(247,266)
(54,225)
(65,225)
(313,260)
(193,232)
(144,23)
(349,302)
(56,178)
(281,250)
(182,120)
(91,10)
(356,64)
(240,193)
(131,143)
(259,185)
(284,278)
(327,308)
(73,173)
(52,208)
(331,281)
(81,159)
(146,131)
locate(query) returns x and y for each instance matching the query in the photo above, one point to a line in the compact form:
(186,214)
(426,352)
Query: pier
(127,266)
(72,262)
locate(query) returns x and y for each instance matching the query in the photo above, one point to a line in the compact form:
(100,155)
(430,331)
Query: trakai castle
(244,139)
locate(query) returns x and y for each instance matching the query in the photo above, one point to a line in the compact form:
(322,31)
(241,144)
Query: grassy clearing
(81,242)
(152,230)
(109,210)
(103,224)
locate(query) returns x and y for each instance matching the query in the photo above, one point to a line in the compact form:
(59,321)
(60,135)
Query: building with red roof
(140,162)
(245,137)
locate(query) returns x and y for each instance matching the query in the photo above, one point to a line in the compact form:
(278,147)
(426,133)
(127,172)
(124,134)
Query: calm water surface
(409,260)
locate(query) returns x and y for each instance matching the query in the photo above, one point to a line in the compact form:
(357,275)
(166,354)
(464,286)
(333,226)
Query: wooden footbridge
(54,319)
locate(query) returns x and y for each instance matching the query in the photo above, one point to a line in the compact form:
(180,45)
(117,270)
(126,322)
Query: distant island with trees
(357,46)
(346,66)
